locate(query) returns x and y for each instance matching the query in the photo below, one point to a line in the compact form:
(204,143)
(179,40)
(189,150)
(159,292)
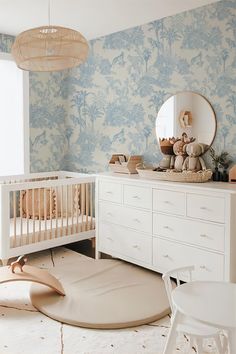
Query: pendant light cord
(49,13)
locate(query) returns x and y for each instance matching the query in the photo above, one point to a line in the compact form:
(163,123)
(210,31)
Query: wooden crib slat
(27,216)
(87,205)
(39,199)
(77,207)
(33,214)
(91,206)
(50,207)
(72,209)
(67,206)
(62,211)
(21,216)
(45,212)
(56,195)
(82,205)
(14,216)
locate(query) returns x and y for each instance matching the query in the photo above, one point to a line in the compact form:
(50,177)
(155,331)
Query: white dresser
(164,225)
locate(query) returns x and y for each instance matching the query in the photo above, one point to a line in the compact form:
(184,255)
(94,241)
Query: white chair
(192,329)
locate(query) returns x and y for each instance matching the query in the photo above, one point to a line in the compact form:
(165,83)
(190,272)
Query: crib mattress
(24,231)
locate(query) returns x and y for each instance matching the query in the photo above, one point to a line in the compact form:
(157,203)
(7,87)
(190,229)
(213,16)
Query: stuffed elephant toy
(194,162)
(180,152)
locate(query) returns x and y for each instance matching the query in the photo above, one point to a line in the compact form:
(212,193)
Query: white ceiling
(93,18)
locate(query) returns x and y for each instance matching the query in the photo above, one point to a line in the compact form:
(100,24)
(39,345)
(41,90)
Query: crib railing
(40,211)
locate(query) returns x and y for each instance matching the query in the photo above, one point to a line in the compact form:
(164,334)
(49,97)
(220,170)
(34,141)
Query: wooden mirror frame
(207,103)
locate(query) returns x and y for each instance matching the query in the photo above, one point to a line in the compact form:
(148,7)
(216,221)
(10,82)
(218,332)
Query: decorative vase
(225,176)
(216,176)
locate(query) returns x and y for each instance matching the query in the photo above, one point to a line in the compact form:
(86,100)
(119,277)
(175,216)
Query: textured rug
(24,330)
(103,294)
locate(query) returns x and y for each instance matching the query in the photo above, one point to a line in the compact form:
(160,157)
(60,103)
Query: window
(14,121)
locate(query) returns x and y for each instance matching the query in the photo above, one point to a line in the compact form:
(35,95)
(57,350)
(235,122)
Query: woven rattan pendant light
(49,48)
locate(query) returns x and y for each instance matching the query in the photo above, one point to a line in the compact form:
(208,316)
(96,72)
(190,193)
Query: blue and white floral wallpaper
(48,117)
(79,117)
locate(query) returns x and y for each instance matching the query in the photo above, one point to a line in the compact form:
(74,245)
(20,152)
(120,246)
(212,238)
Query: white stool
(192,329)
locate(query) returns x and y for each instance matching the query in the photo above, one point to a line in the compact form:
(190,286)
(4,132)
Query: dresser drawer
(125,242)
(139,220)
(206,207)
(197,233)
(169,201)
(108,240)
(110,191)
(110,212)
(169,255)
(140,197)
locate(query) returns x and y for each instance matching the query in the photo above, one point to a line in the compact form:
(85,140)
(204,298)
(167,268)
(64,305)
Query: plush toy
(20,262)
(194,162)
(166,147)
(180,152)
(186,139)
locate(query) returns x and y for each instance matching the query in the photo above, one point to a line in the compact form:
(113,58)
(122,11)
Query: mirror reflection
(186,112)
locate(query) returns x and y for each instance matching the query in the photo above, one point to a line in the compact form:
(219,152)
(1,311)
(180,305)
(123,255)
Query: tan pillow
(33,208)
(73,197)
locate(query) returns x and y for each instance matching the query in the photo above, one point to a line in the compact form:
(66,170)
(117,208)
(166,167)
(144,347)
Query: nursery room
(117,176)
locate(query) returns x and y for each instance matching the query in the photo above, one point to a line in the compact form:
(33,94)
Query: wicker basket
(127,167)
(185,176)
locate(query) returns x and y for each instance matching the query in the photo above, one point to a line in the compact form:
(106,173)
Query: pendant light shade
(49,48)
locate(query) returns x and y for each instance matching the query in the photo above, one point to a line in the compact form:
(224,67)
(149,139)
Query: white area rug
(24,330)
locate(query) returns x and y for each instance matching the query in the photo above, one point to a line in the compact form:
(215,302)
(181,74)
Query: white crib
(43,210)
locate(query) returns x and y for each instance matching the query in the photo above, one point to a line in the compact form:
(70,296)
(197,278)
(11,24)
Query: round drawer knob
(137,220)
(202,267)
(165,255)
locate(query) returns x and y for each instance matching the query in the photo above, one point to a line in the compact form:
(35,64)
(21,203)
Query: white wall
(14,152)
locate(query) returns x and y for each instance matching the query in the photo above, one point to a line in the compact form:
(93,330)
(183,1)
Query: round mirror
(186,112)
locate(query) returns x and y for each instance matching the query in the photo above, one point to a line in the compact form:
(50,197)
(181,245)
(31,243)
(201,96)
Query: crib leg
(93,240)
(4,262)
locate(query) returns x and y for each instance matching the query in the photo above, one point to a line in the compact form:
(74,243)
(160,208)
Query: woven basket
(185,176)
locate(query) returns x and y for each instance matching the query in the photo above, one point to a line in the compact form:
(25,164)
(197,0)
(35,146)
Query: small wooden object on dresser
(232,174)
(125,164)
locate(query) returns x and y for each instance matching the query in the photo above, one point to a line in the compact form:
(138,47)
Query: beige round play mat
(103,294)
